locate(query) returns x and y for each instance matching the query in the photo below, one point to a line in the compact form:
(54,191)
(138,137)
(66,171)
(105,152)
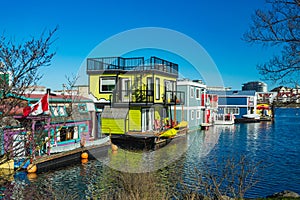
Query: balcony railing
(133,96)
(131,64)
(174,98)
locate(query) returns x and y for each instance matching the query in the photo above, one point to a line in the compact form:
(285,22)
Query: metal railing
(174,97)
(133,96)
(134,64)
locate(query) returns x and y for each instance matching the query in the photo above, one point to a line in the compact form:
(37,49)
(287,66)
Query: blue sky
(216,25)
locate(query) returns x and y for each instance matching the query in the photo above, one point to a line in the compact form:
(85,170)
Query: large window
(107,84)
(234,111)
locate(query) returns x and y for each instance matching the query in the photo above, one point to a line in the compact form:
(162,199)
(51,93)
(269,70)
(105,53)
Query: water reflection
(147,161)
(277,144)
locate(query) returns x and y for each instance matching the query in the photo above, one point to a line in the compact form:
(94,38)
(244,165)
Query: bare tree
(19,69)
(278,26)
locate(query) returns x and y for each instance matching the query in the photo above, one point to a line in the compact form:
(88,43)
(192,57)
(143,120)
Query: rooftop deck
(96,65)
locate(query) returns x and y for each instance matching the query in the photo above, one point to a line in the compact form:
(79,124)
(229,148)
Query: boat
(251,116)
(181,125)
(205,126)
(9,164)
(248,118)
(169,133)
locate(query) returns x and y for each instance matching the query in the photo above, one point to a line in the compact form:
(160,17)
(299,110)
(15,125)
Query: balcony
(174,98)
(138,97)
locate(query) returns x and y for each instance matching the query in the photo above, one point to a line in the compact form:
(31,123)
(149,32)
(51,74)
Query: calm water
(276,145)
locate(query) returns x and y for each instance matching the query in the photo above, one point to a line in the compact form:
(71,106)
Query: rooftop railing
(131,64)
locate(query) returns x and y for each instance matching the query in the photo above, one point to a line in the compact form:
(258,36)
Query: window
(192,92)
(197,93)
(126,86)
(107,84)
(192,115)
(157,91)
(58,111)
(150,86)
(198,114)
(235,111)
(82,107)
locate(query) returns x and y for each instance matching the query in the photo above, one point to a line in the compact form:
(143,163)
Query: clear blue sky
(217,25)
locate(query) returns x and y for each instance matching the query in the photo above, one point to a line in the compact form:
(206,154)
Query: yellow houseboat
(135,95)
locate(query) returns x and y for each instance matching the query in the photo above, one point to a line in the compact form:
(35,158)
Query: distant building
(266,97)
(255,85)
(287,95)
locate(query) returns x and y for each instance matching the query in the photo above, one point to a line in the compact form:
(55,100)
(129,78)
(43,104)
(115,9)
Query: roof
(233,93)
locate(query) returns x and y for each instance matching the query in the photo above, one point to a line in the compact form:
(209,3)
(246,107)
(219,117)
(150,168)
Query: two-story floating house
(198,107)
(135,94)
(242,104)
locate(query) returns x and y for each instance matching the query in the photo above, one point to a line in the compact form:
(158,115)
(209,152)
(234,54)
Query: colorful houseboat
(135,95)
(69,123)
(199,106)
(241,104)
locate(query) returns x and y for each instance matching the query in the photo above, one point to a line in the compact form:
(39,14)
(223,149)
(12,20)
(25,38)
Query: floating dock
(63,159)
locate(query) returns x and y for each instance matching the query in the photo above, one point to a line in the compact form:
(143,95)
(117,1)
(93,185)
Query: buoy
(84,155)
(114,152)
(32,176)
(84,160)
(31,168)
(114,147)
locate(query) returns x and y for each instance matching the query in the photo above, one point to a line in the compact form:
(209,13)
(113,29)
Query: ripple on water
(276,144)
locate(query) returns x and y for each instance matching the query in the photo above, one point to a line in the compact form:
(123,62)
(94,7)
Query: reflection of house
(71,120)
(238,103)
(287,95)
(199,107)
(133,92)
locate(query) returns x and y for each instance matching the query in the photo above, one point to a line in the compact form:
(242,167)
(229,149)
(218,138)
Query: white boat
(224,119)
(251,116)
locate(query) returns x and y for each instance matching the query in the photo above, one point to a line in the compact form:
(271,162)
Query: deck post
(49,136)
(32,139)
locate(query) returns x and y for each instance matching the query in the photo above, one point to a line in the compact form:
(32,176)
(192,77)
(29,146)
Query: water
(271,147)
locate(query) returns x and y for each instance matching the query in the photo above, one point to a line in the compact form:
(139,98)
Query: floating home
(69,124)
(199,107)
(239,103)
(135,94)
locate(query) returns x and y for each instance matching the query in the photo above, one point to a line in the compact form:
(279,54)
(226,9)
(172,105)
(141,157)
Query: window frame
(107,78)
(157,88)
(232,110)
(198,93)
(198,114)
(192,92)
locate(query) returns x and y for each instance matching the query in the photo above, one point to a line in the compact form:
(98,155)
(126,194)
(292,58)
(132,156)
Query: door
(147,119)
